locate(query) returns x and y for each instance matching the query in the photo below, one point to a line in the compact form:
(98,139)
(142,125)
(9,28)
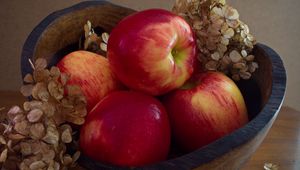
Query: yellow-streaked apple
(152,51)
(92,73)
(205,109)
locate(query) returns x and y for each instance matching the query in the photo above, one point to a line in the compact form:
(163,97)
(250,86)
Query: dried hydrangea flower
(220,35)
(270,166)
(92,41)
(36,137)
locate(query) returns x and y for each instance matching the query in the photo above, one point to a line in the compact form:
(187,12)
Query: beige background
(273,22)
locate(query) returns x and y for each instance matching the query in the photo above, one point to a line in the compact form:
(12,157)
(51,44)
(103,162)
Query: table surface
(280,147)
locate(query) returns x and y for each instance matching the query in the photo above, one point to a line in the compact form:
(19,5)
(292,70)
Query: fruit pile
(153,53)
(128,107)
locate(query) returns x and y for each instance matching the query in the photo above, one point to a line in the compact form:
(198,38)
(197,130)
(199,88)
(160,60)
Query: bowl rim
(190,160)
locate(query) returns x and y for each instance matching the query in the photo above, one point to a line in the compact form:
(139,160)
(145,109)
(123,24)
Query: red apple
(152,51)
(92,73)
(205,110)
(126,129)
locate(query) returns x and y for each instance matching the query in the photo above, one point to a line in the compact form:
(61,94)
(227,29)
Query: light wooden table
(281,146)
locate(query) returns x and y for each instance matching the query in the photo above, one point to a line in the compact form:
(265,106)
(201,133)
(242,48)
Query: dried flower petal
(55,72)
(25,148)
(103,46)
(228,33)
(34,115)
(75,156)
(37,131)
(3,155)
(34,104)
(67,160)
(14,110)
(231,13)
(16,136)
(40,64)
(2,140)
(73,90)
(56,90)
(215,56)
(66,136)
(211,65)
(52,136)
(105,37)
(41,75)
(270,166)
(26,90)
(22,127)
(64,78)
(235,56)
(250,58)
(48,155)
(28,78)
(37,165)
(245,75)
(18,118)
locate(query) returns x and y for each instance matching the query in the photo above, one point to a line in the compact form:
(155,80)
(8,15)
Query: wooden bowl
(59,33)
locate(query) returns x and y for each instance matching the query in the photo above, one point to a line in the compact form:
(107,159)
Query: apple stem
(31,64)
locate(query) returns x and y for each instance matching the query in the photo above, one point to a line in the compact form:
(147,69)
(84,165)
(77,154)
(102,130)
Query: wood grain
(282,144)
(264,93)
